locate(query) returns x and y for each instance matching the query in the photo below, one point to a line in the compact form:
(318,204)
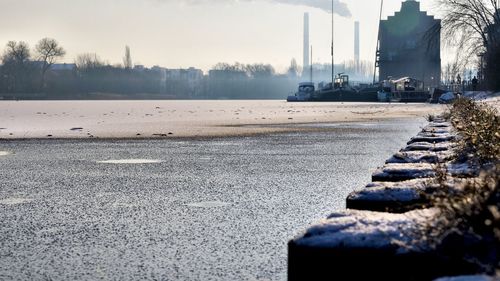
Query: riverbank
(160,119)
(434,204)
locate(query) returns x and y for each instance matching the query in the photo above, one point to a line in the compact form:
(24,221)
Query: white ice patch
(15,201)
(131,161)
(209,204)
(4,153)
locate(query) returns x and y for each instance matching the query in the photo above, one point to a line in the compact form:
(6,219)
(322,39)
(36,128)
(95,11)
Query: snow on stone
(404,191)
(430,139)
(419,157)
(442,146)
(467,278)
(439,125)
(403,171)
(435,130)
(434,134)
(365,229)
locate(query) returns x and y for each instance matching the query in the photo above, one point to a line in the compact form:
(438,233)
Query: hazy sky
(200,33)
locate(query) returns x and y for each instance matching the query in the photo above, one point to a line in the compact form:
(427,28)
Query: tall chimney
(356,43)
(306,41)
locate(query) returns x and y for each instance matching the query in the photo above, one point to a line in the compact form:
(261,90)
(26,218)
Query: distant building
(191,74)
(410,45)
(188,81)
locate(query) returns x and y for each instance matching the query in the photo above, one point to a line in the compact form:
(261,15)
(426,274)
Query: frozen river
(183,209)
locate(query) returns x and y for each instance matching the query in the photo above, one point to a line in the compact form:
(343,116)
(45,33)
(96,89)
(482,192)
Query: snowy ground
(161,119)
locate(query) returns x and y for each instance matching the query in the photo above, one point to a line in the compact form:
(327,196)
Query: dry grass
(468,225)
(479,126)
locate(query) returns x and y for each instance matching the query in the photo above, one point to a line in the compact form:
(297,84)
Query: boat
(405,89)
(342,90)
(304,93)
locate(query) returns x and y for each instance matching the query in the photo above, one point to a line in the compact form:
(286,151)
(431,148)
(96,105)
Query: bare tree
(16,52)
(471,26)
(16,62)
(127,60)
(48,52)
(88,61)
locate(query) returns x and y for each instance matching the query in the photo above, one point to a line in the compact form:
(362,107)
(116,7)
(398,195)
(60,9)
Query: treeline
(473,28)
(35,74)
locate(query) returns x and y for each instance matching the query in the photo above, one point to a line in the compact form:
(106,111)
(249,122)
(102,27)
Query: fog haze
(200,33)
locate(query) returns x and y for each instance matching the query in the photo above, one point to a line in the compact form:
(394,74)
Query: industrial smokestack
(356,43)
(306,41)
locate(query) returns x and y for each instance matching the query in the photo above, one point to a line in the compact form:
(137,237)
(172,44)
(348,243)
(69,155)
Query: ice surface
(209,204)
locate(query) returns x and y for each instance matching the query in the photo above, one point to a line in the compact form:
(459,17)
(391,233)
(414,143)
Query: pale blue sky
(200,33)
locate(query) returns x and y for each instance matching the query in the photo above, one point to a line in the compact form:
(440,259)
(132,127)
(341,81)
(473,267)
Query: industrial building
(410,46)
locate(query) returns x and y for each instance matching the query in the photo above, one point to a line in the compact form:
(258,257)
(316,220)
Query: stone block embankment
(379,236)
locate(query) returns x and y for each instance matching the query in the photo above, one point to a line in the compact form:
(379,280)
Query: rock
(436,130)
(434,134)
(378,246)
(403,171)
(423,156)
(400,197)
(429,139)
(393,197)
(439,125)
(439,121)
(426,146)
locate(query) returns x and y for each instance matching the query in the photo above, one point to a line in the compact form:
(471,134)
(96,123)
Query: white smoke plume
(340,8)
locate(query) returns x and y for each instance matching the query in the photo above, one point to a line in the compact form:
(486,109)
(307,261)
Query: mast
(311,63)
(333,58)
(377,52)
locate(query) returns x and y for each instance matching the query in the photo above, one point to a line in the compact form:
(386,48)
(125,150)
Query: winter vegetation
(472,29)
(468,224)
